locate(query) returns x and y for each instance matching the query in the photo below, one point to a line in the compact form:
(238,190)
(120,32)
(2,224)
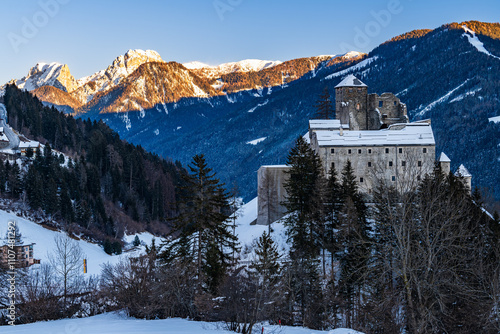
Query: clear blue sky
(89,34)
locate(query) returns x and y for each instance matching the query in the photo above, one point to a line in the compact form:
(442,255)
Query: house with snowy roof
(373,133)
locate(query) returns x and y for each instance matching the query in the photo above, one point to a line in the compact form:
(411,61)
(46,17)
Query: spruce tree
(334,202)
(266,263)
(354,238)
(324,106)
(302,191)
(304,230)
(203,226)
(136,242)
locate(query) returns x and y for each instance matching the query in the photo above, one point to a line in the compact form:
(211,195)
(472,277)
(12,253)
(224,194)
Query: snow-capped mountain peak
(195,65)
(121,68)
(246,65)
(249,65)
(53,74)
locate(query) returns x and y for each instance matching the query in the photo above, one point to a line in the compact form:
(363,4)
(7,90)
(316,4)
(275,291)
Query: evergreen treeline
(104,178)
(422,260)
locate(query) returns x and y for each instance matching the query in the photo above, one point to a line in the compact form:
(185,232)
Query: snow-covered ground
(256,141)
(111,323)
(247,234)
(118,323)
(44,243)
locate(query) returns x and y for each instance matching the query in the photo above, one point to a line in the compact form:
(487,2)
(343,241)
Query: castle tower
(351,103)
(444,162)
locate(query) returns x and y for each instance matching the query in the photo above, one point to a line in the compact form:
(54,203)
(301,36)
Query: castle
(374,134)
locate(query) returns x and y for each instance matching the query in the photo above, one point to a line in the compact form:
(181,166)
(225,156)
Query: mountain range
(246,114)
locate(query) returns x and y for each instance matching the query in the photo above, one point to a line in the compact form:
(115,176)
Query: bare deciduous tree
(67,261)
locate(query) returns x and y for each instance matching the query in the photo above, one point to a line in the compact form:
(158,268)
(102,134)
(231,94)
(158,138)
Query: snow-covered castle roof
(398,134)
(462,171)
(444,158)
(351,81)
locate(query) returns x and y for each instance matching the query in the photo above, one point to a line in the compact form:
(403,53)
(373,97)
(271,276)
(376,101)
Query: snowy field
(112,323)
(44,243)
(119,323)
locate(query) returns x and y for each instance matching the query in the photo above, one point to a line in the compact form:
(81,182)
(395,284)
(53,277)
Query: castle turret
(351,103)
(444,162)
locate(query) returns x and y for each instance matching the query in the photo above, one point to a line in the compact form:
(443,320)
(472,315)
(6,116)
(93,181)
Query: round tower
(351,103)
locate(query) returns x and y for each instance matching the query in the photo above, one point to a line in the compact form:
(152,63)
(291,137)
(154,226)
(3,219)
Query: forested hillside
(106,186)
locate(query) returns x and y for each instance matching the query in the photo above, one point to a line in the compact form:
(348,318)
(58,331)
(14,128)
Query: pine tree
(203,224)
(266,263)
(34,187)
(324,106)
(305,230)
(65,205)
(334,202)
(136,242)
(354,238)
(302,192)
(14,181)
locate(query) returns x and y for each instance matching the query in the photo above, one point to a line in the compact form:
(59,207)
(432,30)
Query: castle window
(420,164)
(332,150)
(359,90)
(359,151)
(349,151)
(425,150)
(400,150)
(418,177)
(360,180)
(369,151)
(358,106)
(393,178)
(395,102)
(333,165)
(390,163)
(350,90)
(403,163)
(369,163)
(380,104)
(386,150)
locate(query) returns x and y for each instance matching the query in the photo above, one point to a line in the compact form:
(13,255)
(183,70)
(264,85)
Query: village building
(23,255)
(373,133)
(25,144)
(4,141)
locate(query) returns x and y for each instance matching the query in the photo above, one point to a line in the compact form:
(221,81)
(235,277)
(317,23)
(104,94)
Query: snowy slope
(111,323)
(471,36)
(248,234)
(44,243)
